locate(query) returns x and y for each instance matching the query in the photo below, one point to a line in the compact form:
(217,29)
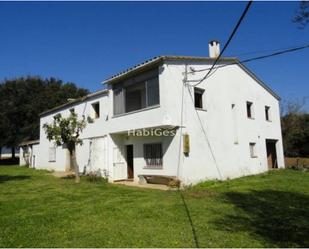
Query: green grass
(38,210)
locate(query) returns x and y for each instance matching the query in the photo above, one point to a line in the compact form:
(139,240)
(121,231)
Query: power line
(267,50)
(206,138)
(228,41)
(275,54)
(217,59)
(257,58)
(181,120)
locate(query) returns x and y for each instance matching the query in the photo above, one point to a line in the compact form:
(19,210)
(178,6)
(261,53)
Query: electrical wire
(228,41)
(267,50)
(181,120)
(217,59)
(206,138)
(256,58)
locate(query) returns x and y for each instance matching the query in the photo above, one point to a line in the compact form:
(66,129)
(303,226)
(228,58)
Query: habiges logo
(159,132)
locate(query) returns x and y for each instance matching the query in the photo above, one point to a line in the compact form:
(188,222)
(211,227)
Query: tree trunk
(74,165)
(13,152)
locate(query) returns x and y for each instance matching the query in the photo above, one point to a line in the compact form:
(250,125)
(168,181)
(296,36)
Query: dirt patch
(61,174)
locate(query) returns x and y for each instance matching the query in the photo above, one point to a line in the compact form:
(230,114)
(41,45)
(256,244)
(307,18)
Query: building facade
(161,118)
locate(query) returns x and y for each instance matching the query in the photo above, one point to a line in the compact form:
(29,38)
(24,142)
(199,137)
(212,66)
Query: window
(249,109)
(153,155)
(153,92)
(267,113)
(198,97)
(96,110)
(137,93)
(252,147)
(52,154)
(234,122)
(135,97)
(118,101)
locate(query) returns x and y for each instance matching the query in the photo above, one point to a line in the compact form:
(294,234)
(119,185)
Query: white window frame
(251,109)
(268,110)
(252,148)
(160,160)
(199,91)
(52,154)
(95,115)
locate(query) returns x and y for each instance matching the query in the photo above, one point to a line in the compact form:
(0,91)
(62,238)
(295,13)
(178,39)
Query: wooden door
(271,153)
(130,161)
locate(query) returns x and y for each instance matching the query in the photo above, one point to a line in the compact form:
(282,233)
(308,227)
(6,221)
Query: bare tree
(302,14)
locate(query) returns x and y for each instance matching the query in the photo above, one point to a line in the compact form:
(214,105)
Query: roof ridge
(157,59)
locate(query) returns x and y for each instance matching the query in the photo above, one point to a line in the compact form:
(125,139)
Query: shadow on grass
(196,242)
(6,178)
(9,161)
(279,218)
(68,177)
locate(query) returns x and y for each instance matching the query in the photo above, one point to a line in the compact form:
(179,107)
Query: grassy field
(38,210)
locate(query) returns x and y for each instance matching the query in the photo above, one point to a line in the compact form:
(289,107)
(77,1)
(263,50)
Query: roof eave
(156,61)
(78,100)
(262,83)
(134,70)
(37,141)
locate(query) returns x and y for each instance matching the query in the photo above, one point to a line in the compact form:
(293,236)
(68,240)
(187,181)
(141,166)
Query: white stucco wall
(28,154)
(212,156)
(215,155)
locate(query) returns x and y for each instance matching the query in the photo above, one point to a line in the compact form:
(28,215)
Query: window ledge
(153,167)
(200,109)
(251,118)
(140,110)
(254,156)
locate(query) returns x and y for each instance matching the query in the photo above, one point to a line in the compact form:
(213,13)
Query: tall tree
(66,132)
(23,99)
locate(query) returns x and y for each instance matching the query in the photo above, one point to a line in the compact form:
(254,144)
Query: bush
(97,176)
(175,183)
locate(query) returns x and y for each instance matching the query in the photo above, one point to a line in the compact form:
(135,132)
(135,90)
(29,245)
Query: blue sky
(87,42)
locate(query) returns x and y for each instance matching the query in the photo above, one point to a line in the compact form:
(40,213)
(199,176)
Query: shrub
(97,176)
(174,183)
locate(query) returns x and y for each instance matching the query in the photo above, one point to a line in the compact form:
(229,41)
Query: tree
(302,14)
(295,129)
(3,136)
(23,99)
(65,132)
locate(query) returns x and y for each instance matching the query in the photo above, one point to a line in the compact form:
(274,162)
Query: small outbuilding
(28,153)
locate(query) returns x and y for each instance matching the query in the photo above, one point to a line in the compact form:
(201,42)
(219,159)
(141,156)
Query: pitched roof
(29,142)
(156,61)
(75,101)
(148,64)
(151,63)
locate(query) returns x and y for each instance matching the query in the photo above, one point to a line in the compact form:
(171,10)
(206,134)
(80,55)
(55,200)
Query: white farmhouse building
(152,120)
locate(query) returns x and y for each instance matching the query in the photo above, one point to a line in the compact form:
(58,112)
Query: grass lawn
(39,210)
